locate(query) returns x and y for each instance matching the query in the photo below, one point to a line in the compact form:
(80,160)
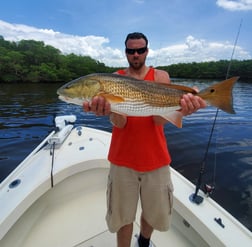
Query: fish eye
(212,90)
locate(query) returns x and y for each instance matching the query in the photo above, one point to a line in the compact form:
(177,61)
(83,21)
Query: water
(26,117)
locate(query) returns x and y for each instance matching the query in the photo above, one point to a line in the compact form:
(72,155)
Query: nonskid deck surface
(158,240)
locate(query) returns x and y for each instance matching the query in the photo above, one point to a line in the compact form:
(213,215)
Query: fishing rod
(208,189)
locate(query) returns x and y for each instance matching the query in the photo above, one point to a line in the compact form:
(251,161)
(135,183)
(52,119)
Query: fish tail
(220,95)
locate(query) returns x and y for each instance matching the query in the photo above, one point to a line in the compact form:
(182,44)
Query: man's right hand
(98,105)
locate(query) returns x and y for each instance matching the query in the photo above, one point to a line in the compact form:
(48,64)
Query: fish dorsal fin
(178,87)
(175,117)
(111,98)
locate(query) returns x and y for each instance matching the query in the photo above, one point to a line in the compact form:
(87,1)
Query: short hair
(136,35)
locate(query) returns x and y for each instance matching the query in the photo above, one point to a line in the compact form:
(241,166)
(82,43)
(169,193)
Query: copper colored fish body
(134,97)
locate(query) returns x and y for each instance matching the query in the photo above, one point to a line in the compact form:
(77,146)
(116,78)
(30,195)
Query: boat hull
(60,201)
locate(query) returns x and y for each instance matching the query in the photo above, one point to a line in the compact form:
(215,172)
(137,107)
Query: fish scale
(144,92)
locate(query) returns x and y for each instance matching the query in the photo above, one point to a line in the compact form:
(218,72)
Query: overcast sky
(178,30)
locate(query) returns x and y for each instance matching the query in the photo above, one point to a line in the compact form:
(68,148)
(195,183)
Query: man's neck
(137,73)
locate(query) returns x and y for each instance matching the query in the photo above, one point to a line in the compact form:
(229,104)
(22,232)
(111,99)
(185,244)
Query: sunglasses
(139,50)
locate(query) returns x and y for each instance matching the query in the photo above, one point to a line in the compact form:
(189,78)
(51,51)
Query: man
(139,156)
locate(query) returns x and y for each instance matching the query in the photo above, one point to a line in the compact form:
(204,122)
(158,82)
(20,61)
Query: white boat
(56,198)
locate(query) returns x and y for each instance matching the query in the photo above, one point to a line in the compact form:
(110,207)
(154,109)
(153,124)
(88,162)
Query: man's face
(136,59)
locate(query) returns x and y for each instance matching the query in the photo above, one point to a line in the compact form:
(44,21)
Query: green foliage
(208,70)
(33,61)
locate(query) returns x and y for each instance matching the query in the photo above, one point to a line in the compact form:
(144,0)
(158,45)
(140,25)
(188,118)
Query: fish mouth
(75,101)
(59,91)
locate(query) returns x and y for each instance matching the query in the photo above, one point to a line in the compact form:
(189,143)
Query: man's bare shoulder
(162,76)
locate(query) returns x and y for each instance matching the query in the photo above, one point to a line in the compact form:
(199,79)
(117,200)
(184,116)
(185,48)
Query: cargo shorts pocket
(170,197)
(109,196)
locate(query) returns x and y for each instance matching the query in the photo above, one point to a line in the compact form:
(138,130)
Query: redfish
(132,97)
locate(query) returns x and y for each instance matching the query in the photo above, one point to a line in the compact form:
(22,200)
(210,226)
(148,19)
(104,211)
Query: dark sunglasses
(139,50)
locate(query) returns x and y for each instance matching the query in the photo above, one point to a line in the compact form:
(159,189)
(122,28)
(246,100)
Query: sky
(179,31)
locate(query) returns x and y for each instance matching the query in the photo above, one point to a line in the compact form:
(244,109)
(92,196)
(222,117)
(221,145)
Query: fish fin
(175,117)
(179,87)
(220,95)
(111,98)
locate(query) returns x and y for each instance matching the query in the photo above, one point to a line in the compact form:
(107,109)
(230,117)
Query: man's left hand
(191,103)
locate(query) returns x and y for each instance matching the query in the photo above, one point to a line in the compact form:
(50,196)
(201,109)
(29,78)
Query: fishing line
(195,197)
(236,40)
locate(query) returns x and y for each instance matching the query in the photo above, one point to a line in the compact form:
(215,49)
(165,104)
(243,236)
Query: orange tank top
(141,144)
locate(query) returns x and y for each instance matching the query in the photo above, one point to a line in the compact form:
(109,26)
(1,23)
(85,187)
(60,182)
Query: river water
(26,117)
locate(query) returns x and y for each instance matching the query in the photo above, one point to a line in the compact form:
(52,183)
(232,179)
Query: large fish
(132,97)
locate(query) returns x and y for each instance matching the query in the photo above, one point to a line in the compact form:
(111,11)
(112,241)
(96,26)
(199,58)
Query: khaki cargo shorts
(126,186)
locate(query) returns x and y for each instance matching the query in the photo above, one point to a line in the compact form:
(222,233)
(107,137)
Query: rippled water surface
(26,117)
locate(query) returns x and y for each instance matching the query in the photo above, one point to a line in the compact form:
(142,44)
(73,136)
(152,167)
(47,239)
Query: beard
(136,63)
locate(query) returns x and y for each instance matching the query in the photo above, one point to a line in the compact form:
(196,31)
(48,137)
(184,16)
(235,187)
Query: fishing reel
(208,189)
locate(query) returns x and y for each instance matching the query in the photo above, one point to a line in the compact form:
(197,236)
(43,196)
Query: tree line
(208,70)
(33,61)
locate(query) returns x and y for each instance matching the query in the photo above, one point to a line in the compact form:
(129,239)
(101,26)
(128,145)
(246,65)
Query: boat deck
(108,239)
(73,214)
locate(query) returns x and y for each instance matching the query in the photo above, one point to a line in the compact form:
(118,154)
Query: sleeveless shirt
(141,144)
